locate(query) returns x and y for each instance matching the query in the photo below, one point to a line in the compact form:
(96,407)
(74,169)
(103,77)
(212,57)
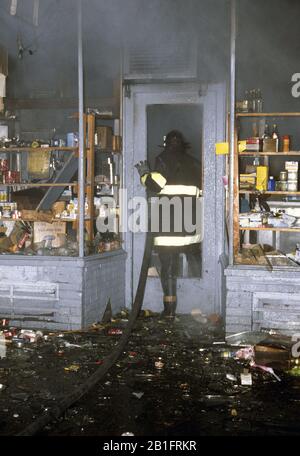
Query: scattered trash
(68,345)
(227,354)
(138,395)
(31,336)
(214,319)
(20,396)
(246,338)
(114,331)
(72,368)
(199,316)
(295,371)
(176,363)
(145,313)
(245,353)
(231,377)
(246,378)
(265,369)
(159,363)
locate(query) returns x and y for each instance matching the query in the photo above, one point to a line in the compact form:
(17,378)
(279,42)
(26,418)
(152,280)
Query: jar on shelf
(283,176)
(283,186)
(286,143)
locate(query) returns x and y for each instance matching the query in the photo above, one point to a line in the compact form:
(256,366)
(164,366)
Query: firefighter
(177,174)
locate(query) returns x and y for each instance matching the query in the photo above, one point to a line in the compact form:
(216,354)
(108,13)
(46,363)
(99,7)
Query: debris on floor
(178,377)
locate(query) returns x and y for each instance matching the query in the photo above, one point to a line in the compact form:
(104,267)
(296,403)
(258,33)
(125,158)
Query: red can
(114,331)
(23,240)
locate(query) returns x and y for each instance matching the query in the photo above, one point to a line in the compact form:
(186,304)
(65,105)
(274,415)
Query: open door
(150,113)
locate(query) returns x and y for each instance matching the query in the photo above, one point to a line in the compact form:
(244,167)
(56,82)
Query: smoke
(268,41)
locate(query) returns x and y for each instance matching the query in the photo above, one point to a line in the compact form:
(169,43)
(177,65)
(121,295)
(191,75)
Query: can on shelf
(3,164)
(283,186)
(283,175)
(292,186)
(292,175)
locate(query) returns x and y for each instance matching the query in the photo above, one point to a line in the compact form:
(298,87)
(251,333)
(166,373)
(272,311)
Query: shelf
(271,228)
(25,219)
(108,151)
(268,114)
(252,192)
(254,154)
(8,119)
(68,184)
(4,150)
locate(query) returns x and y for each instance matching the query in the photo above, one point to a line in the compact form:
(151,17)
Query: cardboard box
(56,229)
(291,166)
(247,181)
(254,144)
(104,137)
(270,145)
(38,163)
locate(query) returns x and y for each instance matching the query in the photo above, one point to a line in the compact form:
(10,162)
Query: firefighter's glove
(143,168)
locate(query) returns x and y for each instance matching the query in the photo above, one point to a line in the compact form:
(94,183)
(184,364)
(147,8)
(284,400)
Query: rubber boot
(169,307)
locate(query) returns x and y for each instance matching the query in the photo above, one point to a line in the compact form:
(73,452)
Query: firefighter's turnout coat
(176,174)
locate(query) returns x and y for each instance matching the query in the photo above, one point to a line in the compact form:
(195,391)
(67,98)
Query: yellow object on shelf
(242,145)
(38,164)
(262,176)
(222,148)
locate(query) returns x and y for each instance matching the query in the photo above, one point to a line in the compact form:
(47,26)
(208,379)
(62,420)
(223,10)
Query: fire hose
(55,412)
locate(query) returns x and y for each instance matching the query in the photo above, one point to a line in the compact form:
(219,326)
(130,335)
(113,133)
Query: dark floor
(170,381)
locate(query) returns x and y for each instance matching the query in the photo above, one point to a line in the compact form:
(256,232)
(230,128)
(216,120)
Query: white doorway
(199,112)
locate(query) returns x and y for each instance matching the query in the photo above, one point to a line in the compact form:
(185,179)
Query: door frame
(208,288)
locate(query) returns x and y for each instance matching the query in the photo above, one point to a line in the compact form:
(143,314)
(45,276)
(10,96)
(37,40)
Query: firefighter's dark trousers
(168,276)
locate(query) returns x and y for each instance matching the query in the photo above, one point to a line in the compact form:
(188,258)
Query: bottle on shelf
(259,101)
(252,100)
(246,101)
(286,144)
(266,134)
(275,135)
(271,184)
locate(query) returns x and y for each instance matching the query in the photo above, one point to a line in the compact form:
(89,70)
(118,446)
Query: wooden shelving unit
(45,184)
(252,192)
(237,191)
(89,153)
(269,228)
(267,114)
(269,154)
(5,150)
(89,120)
